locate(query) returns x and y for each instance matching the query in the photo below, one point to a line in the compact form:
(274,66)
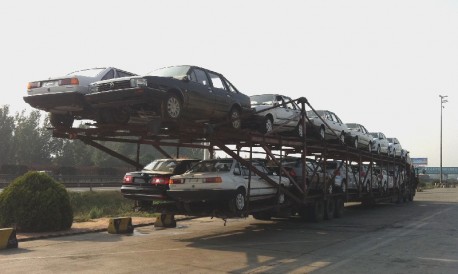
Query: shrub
(35,202)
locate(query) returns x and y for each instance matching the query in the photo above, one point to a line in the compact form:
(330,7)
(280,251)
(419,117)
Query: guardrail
(72,181)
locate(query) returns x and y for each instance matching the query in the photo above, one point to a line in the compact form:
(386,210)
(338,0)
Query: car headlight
(93,88)
(138,82)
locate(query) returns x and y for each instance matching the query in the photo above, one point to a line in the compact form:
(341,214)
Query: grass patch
(98,204)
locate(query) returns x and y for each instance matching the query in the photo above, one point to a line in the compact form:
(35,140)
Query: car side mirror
(237,172)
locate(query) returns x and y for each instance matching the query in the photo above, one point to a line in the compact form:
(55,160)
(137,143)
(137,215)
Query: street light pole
(443,101)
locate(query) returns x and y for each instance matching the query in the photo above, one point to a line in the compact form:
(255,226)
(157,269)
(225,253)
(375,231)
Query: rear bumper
(63,101)
(198,195)
(122,97)
(141,193)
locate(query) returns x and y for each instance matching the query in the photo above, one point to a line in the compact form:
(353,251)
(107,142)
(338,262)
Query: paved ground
(418,237)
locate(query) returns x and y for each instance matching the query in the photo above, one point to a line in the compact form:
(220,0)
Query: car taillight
(69,81)
(159,181)
(176,181)
(32,85)
(213,180)
(292,172)
(128,179)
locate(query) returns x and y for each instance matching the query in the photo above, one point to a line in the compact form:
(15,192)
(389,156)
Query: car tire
(322,133)
(238,203)
(379,150)
(299,130)
(61,120)
(355,143)
(268,125)
(234,118)
(342,138)
(173,107)
(368,186)
(370,147)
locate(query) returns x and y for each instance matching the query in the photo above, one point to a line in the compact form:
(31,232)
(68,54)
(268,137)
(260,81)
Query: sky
(382,64)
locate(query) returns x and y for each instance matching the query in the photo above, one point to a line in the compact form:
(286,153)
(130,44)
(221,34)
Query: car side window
(216,81)
(109,75)
(123,74)
(199,76)
(230,86)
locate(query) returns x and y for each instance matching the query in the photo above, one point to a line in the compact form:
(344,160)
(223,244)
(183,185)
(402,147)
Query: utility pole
(443,101)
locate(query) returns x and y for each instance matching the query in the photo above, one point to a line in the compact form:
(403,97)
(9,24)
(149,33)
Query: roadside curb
(72,232)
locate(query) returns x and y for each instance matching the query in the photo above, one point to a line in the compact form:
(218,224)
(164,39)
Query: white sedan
(379,143)
(225,181)
(276,113)
(336,130)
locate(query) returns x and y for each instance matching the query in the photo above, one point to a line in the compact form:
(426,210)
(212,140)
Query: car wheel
(234,118)
(322,133)
(330,209)
(378,150)
(237,203)
(342,138)
(355,143)
(394,153)
(173,106)
(385,187)
(300,129)
(61,120)
(268,125)
(370,147)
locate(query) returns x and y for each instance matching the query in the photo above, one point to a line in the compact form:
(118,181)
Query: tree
(31,140)
(6,134)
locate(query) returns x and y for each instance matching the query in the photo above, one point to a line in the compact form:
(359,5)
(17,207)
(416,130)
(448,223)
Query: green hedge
(35,202)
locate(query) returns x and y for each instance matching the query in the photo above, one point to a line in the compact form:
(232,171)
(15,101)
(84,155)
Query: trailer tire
(330,209)
(318,211)
(339,208)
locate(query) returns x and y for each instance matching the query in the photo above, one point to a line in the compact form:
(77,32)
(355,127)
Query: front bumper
(123,97)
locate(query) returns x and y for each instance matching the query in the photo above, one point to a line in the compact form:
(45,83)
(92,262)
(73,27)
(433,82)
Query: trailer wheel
(318,211)
(339,208)
(330,209)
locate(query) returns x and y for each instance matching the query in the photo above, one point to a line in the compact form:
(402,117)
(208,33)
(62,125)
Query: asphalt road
(416,237)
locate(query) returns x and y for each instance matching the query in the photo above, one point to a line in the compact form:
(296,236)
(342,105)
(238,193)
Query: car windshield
(216,165)
(267,99)
(88,72)
(175,71)
(353,126)
(311,113)
(161,165)
(375,135)
(390,140)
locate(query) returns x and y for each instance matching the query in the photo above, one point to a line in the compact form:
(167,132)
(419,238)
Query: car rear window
(161,165)
(88,72)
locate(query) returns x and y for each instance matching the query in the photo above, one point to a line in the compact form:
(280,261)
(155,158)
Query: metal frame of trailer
(320,203)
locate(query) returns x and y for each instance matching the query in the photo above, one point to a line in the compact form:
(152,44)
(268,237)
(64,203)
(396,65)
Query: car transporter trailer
(318,202)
